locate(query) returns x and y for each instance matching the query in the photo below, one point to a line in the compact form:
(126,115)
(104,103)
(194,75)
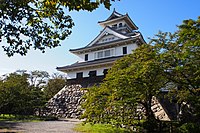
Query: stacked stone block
(66,103)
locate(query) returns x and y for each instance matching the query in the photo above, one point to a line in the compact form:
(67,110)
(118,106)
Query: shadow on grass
(9,127)
(11,123)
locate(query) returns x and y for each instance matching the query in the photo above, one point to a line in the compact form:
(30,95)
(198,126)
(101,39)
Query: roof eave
(132,23)
(81,50)
(63,69)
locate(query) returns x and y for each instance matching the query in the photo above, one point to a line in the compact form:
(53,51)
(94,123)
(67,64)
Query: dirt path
(61,126)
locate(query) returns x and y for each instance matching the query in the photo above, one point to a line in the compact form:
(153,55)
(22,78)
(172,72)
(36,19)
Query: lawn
(99,128)
(24,118)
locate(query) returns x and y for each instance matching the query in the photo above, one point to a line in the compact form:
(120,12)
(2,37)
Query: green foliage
(23,93)
(18,97)
(38,78)
(171,62)
(38,24)
(189,128)
(79,4)
(131,83)
(54,85)
(24,118)
(99,128)
(181,62)
(13,90)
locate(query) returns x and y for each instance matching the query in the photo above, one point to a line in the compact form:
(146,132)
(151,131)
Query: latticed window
(93,73)
(79,75)
(107,53)
(104,54)
(100,54)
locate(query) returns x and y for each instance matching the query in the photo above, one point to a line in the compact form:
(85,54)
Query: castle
(119,37)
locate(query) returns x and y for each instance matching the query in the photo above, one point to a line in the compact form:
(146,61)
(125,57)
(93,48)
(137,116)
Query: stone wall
(66,103)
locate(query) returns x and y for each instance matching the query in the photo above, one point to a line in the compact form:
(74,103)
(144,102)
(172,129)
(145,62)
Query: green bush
(189,128)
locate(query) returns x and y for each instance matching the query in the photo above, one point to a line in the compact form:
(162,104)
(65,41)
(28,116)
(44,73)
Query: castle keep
(119,37)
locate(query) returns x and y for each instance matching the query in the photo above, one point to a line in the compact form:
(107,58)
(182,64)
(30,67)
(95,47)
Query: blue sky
(149,15)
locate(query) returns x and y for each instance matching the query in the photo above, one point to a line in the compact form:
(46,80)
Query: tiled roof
(100,44)
(79,65)
(116,16)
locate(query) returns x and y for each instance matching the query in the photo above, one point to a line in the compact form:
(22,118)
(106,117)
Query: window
(86,57)
(107,53)
(100,54)
(103,54)
(114,26)
(124,50)
(93,73)
(105,71)
(79,75)
(120,24)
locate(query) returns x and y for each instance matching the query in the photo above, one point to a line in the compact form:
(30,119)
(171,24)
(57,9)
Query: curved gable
(107,31)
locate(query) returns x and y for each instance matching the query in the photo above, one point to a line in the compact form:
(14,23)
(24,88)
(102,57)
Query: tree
(13,91)
(55,84)
(171,58)
(38,24)
(38,78)
(130,84)
(181,60)
(17,96)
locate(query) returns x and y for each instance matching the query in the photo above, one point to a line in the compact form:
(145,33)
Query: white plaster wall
(72,75)
(111,24)
(81,57)
(90,56)
(118,51)
(130,48)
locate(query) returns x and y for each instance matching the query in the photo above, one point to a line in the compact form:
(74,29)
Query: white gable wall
(107,39)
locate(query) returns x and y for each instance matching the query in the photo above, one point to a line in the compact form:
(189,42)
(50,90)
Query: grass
(99,128)
(24,118)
